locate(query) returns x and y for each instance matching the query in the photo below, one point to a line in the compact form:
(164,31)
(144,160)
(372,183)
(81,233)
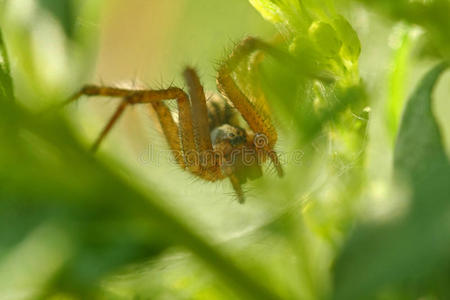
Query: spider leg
(187,158)
(257,118)
(170,130)
(252,82)
(199,117)
(94,90)
(119,111)
(185,152)
(192,141)
(237,188)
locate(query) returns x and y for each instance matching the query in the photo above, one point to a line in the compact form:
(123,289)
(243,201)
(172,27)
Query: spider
(207,139)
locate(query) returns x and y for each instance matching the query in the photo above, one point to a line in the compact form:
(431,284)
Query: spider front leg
(184,150)
(256,117)
(93,90)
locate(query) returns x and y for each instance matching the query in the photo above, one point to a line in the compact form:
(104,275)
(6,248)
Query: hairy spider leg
(258,119)
(200,118)
(252,83)
(170,131)
(187,147)
(92,90)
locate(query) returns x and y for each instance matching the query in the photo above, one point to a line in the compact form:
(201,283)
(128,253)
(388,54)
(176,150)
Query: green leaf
(6,86)
(419,148)
(408,253)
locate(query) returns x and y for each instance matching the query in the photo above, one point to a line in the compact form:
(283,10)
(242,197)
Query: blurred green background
(363,210)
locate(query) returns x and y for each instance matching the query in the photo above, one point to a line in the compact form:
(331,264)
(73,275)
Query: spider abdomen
(220,112)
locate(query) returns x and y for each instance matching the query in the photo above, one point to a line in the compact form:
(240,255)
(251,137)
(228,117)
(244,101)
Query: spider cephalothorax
(207,140)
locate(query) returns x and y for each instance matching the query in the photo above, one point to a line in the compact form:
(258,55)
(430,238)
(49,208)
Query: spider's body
(234,143)
(208,139)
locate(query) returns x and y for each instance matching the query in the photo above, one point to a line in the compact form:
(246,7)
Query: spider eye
(231,135)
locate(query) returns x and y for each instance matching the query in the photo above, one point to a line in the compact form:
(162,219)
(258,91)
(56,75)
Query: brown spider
(207,140)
